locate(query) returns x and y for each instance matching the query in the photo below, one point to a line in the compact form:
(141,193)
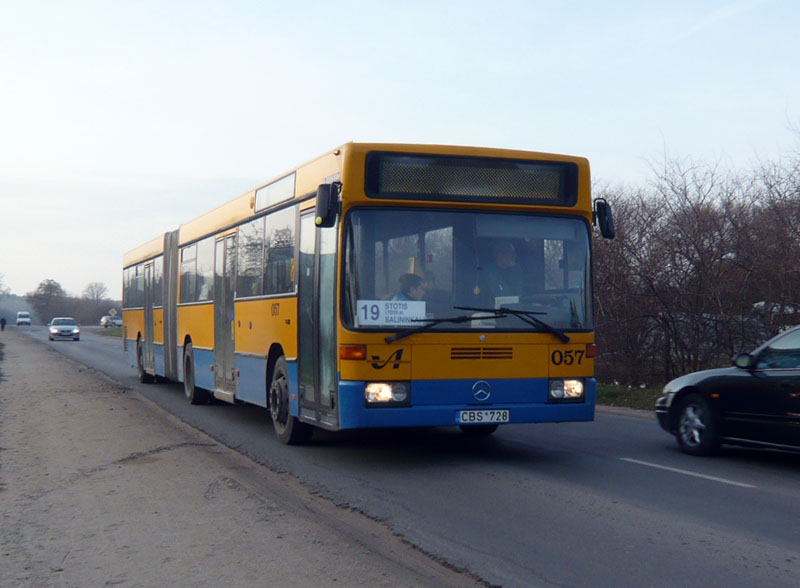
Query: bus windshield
(405,265)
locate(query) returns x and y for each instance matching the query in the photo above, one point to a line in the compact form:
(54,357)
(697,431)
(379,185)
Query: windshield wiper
(491,314)
(527,316)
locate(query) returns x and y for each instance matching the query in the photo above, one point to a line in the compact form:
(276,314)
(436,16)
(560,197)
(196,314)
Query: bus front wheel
(288,429)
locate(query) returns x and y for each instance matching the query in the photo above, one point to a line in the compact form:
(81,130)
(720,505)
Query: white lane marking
(687,473)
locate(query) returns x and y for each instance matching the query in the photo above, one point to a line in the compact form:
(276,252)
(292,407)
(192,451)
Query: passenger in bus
(504,275)
(411,288)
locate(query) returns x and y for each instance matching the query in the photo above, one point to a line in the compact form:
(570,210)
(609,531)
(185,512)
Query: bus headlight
(565,391)
(387,394)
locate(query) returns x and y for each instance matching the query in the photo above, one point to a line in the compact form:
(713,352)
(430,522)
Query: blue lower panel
(180,362)
(130,352)
(436,403)
(203,362)
(158,357)
(252,380)
(294,394)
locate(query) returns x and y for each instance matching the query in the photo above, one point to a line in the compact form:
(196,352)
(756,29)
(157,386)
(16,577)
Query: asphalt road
(608,503)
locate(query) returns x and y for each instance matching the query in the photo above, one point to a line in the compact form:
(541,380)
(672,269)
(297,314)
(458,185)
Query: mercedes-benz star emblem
(481,390)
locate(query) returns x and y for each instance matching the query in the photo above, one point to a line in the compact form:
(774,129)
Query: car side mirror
(327,204)
(604,219)
(744,361)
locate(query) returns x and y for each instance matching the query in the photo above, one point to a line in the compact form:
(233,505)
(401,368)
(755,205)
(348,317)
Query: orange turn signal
(352,352)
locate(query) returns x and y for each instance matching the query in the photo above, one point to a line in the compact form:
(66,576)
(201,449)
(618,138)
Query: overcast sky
(119,120)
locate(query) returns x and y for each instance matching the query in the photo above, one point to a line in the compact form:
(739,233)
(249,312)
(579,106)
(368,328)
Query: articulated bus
(381,285)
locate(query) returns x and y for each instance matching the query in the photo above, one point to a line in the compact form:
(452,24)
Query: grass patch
(641,398)
(110,332)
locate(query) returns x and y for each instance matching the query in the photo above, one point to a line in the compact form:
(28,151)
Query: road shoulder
(100,486)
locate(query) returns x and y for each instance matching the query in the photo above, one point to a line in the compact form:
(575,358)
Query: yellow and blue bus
(381,285)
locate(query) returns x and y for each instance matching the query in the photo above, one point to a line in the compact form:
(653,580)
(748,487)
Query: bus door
(148,353)
(316,335)
(224,332)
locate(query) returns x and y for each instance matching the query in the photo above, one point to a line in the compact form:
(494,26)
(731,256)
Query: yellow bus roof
(323,169)
(307,177)
(150,249)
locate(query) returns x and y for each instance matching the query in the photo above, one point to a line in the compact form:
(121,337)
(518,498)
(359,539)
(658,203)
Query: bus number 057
(568,357)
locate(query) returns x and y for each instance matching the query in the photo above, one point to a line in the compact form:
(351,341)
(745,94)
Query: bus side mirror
(603,218)
(327,204)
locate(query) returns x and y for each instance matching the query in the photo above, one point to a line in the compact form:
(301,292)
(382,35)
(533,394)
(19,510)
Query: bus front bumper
(439,403)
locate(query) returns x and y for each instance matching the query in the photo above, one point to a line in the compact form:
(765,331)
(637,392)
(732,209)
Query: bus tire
(144,377)
(288,429)
(193,394)
(475,431)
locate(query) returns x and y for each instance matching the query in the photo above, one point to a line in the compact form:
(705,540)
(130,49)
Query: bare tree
(777,228)
(95,291)
(624,304)
(696,253)
(3,288)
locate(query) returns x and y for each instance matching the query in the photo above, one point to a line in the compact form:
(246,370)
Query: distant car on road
(23,318)
(754,402)
(64,327)
(110,321)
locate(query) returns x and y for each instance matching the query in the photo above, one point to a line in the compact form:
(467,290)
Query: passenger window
(251,259)
(279,240)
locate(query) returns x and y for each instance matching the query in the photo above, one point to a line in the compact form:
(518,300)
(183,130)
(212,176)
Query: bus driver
(504,275)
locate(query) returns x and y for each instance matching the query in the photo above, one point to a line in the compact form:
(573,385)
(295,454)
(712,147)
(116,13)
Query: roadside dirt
(100,487)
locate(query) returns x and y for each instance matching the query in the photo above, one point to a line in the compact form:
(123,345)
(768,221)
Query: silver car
(111,321)
(64,327)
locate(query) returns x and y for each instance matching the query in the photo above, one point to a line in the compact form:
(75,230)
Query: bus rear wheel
(288,429)
(144,377)
(193,394)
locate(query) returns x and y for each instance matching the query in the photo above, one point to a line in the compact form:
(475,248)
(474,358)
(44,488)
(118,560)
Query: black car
(756,401)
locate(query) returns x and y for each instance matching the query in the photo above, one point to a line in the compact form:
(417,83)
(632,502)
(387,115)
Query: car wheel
(697,427)
(193,394)
(50,338)
(76,338)
(475,431)
(144,377)
(288,429)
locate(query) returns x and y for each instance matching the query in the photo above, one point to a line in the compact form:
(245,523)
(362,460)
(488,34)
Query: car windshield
(64,322)
(403,266)
(783,352)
